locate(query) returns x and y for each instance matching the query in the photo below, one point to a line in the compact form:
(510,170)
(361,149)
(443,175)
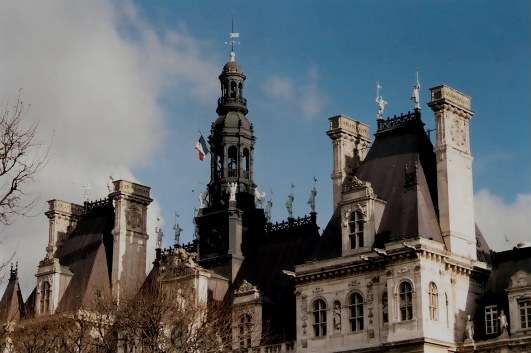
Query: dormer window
(524,311)
(356,227)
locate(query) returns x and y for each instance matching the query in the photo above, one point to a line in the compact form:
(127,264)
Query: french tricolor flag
(201,147)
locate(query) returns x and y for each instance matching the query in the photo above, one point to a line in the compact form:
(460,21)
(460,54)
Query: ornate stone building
(400,267)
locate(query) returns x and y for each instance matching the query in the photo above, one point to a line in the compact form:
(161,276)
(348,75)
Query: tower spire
(233,36)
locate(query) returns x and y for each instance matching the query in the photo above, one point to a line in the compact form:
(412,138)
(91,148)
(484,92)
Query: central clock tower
(229,226)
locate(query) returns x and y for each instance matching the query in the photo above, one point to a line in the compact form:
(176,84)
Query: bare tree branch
(21,158)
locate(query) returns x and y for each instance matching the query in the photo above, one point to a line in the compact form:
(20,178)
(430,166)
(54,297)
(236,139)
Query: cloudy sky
(122,88)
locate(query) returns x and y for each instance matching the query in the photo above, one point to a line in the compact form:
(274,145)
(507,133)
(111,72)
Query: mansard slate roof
(410,211)
(88,255)
(402,170)
(284,247)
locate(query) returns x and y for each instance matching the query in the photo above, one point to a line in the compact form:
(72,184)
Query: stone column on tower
(350,140)
(454,170)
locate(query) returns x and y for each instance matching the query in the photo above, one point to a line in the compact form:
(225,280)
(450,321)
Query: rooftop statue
(289,205)
(311,200)
(259,198)
(232,190)
(380,103)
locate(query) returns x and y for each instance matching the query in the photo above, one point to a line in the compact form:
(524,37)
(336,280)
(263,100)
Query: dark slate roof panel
(385,166)
(330,242)
(88,255)
(281,251)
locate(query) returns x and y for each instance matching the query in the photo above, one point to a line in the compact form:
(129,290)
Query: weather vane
(233,36)
(380,103)
(415,95)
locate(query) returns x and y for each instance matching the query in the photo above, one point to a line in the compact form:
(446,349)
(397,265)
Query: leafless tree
(21,158)
(170,320)
(39,335)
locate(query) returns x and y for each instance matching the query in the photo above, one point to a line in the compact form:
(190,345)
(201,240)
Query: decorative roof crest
(246,288)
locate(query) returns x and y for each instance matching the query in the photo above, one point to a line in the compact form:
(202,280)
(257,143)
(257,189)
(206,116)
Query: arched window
(233,89)
(46,293)
(433,300)
(240,89)
(385,307)
(219,167)
(406,301)
(319,318)
(232,162)
(356,225)
(356,312)
(245,331)
(245,163)
(224,89)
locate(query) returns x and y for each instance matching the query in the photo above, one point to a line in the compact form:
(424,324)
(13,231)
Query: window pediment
(520,279)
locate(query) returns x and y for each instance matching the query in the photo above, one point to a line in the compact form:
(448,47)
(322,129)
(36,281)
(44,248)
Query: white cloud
(94,75)
(498,219)
(279,87)
(306,97)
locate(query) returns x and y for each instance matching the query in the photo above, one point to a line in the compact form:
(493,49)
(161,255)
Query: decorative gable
(520,280)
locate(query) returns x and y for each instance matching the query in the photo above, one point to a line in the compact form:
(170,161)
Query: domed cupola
(232,142)
(231,80)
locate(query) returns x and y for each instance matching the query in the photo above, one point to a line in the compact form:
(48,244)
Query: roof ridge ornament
(380,103)
(415,94)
